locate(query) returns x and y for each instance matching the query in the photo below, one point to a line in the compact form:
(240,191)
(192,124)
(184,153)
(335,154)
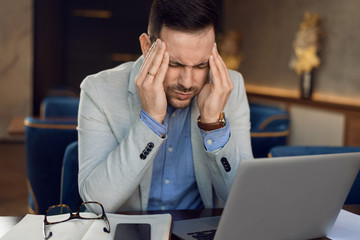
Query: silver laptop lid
(288,197)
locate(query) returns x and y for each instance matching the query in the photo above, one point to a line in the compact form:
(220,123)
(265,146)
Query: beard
(176,102)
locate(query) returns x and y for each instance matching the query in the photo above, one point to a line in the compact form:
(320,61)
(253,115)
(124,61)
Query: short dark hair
(182,15)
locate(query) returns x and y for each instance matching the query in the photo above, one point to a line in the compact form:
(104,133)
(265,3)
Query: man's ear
(145,43)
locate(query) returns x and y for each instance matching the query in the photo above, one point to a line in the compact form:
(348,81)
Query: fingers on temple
(163,68)
(158,58)
(147,60)
(153,62)
(221,73)
(213,68)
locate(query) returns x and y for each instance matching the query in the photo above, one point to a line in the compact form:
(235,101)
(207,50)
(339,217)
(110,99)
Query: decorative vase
(306,85)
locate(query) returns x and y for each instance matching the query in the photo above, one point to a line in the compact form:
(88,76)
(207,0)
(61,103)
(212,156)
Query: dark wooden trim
(352,129)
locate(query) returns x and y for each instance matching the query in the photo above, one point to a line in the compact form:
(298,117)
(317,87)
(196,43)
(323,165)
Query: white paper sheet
(346,227)
(31,227)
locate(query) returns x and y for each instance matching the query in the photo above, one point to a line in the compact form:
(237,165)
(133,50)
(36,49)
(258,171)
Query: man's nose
(186,77)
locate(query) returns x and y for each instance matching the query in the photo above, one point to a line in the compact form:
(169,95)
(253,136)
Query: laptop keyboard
(203,235)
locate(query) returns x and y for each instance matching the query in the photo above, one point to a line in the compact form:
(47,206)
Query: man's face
(189,64)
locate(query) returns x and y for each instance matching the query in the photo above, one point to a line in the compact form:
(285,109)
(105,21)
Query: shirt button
(209,141)
(173,115)
(170,149)
(167,181)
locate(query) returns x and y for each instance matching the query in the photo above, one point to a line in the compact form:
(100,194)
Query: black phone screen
(133,231)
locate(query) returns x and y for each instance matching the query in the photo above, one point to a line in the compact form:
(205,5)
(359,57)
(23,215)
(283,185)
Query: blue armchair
(59,107)
(69,179)
(269,128)
(282,151)
(45,143)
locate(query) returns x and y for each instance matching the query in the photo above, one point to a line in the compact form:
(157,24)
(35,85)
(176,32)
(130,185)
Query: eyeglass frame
(75,216)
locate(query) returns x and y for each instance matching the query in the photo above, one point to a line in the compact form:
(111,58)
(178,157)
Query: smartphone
(133,231)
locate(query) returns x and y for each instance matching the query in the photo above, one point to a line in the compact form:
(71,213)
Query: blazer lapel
(199,158)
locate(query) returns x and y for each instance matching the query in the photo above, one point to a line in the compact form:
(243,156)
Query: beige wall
(269,27)
(15,61)
(268,30)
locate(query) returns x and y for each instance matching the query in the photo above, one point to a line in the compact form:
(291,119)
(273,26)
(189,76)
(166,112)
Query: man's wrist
(216,139)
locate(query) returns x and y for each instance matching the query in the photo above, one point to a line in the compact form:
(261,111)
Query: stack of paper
(31,227)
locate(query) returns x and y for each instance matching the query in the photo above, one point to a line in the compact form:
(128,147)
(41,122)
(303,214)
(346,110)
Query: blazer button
(225,164)
(142,156)
(147,150)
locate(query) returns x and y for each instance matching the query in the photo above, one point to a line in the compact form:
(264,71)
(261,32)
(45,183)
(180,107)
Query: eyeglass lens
(90,210)
(58,214)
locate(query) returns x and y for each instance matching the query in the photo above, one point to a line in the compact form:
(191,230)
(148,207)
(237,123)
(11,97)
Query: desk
(9,221)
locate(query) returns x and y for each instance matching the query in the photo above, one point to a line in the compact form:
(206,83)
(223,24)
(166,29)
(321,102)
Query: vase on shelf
(306,85)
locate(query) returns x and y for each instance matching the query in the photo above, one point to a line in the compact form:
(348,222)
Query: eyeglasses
(62,213)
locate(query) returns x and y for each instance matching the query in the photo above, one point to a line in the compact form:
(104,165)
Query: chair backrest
(59,107)
(69,179)
(45,143)
(269,128)
(284,151)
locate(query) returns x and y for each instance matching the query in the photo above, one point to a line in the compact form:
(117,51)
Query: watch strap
(212,126)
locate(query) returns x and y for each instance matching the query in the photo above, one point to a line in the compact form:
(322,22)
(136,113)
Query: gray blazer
(112,138)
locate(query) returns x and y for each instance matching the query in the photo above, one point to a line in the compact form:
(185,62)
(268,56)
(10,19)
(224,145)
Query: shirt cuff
(216,139)
(158,128)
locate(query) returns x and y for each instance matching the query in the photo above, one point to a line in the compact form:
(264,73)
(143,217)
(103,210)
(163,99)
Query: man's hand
(214,96)
(149,81)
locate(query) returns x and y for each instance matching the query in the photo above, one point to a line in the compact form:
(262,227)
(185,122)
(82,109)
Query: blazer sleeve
(223,163)
(112,162)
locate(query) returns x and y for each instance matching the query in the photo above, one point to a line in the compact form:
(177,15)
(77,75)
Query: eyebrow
(175,62)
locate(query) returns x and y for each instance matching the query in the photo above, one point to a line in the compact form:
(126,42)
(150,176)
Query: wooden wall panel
(352,130)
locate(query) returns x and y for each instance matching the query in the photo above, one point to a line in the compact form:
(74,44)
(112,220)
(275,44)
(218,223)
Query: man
(169,130)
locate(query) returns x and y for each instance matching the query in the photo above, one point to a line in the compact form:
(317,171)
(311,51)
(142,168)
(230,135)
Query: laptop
(281,198)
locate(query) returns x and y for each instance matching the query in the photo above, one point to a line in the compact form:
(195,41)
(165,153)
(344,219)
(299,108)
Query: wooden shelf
(16,126)
(335,103)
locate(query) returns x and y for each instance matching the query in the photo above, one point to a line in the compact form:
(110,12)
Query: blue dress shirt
(173,184)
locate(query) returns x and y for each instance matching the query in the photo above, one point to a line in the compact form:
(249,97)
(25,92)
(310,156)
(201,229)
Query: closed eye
(199,66)
(174,65)
(202,66)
